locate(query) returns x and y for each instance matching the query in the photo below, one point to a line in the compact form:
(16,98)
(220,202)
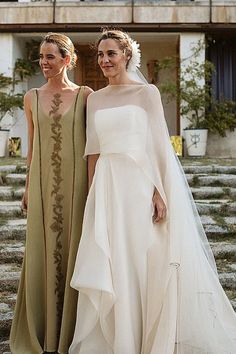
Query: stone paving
(213,186)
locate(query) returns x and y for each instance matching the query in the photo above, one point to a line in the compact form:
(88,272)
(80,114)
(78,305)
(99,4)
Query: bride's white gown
(127,302)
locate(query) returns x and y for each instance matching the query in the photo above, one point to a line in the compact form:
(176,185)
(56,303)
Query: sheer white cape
(192,299)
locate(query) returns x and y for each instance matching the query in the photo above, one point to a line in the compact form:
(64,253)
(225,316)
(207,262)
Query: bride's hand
(159,208)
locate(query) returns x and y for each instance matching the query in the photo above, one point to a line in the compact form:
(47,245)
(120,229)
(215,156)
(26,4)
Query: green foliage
(221,117)
(194,92)
(26,67)
(23,69)
(193,89)
(5,81)
(8,100)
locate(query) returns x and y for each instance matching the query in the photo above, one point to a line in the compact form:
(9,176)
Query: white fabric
(144,288)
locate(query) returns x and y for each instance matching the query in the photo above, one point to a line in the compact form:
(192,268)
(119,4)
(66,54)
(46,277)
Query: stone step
(4,347)
(15,179)
(217,223)
(5,325)
(10,209)
(228,280)
(213,192)
(230,220)
(204,206)
(211,206)
(226,180)
(16,193)
(12,165)
(6,314)
(204,179)
(12,252)
(10,273)
(9,277)
(210,169)
(8,193)
(218,233)
(224,250)
(188,169)
(232,297)
(13,229)
(8,169)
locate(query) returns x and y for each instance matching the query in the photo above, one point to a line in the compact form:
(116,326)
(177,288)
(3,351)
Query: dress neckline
(74,101)
(120,85)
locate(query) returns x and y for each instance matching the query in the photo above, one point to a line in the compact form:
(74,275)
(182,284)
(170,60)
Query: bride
(145,272)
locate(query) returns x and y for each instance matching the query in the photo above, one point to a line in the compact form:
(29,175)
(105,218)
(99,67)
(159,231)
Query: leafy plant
(193,89)
(8,100)
(5,81)
(221,117)
(26,67)
(23,69)
(194,92)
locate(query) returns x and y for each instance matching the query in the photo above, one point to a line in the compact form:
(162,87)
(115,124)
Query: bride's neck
(120,79)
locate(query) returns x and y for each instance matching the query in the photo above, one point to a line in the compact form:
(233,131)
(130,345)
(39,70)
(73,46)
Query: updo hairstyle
(64,44)
(122,38)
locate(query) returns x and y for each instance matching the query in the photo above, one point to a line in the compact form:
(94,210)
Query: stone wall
(91,12)
(222,147)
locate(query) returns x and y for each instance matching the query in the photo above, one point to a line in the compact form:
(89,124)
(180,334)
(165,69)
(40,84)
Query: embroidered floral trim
(57,224)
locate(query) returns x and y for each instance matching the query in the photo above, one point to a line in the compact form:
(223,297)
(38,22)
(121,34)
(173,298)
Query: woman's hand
(159,207)
(24,201)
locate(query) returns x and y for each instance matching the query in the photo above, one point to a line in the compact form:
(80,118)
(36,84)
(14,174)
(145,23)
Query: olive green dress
(45,312)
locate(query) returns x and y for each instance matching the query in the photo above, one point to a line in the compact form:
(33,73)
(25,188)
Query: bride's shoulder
(150,91)
(97,93)
(150,88)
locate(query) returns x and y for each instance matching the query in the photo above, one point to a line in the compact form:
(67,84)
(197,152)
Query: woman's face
(111,58)
(51,61)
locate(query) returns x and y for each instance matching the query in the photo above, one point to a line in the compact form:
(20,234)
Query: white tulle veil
(205,320)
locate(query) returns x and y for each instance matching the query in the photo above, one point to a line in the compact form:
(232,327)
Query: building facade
(163,29)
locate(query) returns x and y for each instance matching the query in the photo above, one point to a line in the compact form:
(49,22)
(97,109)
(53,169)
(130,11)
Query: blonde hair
(64,44)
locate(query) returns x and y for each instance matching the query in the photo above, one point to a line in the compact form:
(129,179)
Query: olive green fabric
(45,312)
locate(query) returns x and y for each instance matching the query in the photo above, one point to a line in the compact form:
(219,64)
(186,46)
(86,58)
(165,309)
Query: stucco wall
(159,50)
(187,42)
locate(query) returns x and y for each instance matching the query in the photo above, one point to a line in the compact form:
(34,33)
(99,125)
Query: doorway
(87,71)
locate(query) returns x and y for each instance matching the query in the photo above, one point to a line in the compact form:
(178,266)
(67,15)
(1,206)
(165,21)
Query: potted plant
(195,95)
(8,102)
(193,92)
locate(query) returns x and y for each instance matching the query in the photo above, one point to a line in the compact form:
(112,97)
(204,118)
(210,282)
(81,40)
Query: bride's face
(111,59)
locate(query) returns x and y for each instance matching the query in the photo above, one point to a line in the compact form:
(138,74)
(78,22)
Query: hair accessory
(134,62)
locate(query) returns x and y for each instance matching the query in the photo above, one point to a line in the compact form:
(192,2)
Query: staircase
(213,184)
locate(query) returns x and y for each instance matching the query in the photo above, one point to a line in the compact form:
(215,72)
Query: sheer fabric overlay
(185,310)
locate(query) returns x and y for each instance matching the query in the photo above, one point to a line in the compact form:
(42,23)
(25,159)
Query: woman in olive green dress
(56,189)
